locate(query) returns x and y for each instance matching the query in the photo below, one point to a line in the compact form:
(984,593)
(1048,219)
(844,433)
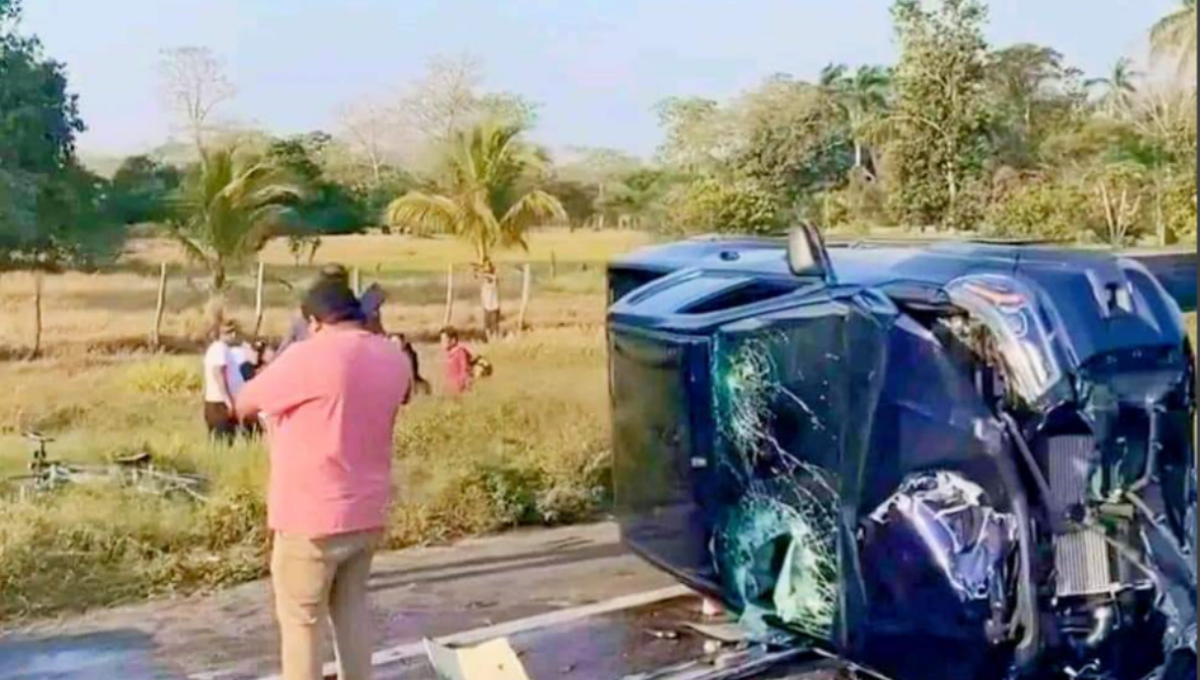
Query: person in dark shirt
(420,385)
(372,301)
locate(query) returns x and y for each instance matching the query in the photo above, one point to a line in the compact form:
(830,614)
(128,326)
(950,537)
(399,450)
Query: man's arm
(283,385)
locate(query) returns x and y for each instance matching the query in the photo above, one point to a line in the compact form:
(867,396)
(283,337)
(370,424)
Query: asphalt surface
(431,592)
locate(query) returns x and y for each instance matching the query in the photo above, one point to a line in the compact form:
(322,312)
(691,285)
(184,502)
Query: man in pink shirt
(330,404)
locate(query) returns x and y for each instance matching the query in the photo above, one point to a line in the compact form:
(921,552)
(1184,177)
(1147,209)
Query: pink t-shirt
(331,404)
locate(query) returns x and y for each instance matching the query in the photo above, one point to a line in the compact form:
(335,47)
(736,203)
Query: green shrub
(712,204)
(1040,209)
(1179,207)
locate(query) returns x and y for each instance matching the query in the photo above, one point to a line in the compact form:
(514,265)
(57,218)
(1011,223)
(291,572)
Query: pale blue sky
(596,66)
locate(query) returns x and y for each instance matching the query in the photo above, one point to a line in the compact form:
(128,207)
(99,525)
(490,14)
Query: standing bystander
(489,299)
(222,381)
(331,402)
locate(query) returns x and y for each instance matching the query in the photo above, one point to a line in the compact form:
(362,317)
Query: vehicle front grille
(1082,558)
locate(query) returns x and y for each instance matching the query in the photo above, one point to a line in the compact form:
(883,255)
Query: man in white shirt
(489,298)
(222,381)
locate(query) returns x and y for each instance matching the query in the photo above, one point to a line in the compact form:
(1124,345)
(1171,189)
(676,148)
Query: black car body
(952,461)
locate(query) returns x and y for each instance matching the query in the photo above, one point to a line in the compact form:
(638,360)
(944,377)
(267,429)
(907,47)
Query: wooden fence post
(37,314)
(356,281)
(449,295)
(526,285)
(258,298)
(159,307)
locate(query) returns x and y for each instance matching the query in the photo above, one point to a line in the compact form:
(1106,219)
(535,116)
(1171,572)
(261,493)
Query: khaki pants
(316,579)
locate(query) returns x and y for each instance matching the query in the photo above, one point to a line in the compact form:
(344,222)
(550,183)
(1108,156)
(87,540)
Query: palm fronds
(488,170)
(229,206)
(1175,35)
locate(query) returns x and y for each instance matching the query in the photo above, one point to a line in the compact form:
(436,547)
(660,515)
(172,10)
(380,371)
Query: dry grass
(114,311)
(408,254)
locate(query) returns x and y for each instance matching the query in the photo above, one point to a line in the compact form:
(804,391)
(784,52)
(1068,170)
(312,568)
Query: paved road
(429,592)
(416,593)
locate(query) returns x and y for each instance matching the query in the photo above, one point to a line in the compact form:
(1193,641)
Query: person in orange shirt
(330,403)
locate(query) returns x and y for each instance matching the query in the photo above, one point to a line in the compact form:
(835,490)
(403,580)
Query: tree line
(957,135)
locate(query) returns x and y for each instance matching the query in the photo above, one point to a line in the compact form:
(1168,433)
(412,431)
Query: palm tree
(482,198)
(1175,35)
(1119,87)
(227,208)
(863,95)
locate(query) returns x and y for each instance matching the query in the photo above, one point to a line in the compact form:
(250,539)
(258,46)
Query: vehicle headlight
(1007,308)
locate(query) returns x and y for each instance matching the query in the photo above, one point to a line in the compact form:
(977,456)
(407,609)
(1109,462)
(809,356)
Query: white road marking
(470,637)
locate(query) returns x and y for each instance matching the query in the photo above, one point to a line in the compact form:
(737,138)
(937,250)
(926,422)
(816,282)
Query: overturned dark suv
(949,461)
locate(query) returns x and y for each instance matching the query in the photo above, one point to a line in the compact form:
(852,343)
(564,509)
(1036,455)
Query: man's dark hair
(449,332)
(334,273)
(331,301)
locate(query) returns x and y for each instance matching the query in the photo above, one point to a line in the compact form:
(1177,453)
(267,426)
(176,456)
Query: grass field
(530,446)
(114,311)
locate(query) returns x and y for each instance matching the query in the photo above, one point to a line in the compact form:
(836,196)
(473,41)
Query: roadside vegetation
(528,447)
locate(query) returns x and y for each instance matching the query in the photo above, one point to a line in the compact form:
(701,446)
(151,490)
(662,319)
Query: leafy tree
(698,134)
(229,206)
(1175,34)
(1031,93)
(1177,206)
(864,96)
(709,204)
(859,204)
(1119,88)
(578,199)
(141,189)
(327,208)
(51,209)
(485,196)
(636,197)
(792,140)
(601,171)
(940,121)
(1040,209)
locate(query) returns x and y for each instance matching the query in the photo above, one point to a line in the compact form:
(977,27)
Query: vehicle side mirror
(806,253)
